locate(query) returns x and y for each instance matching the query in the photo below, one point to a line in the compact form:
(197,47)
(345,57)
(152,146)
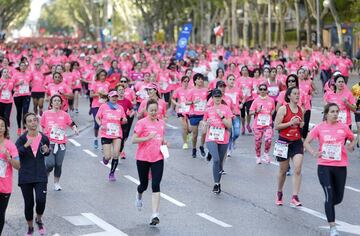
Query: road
(91,205)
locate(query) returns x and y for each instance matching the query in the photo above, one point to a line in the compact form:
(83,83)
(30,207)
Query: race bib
(164,86)
(216,134)
(5,95)
(246,92)
(331,152)
(24,89)
(184,108)
(142,94)
(273,91)
(232,96)
(3,168)
(112,129)
(342,117)
(200,106)
(263,119)
(281,149)
(57,134)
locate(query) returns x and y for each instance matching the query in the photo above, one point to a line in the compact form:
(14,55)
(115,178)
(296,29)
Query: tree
(13,13)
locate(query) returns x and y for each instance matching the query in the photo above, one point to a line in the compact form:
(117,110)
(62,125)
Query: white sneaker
(229,152)
(333,231)
(57,187)
(138,202)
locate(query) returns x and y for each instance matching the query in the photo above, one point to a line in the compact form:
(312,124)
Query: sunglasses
(123,81)
(262,89)
(217,96)
(292,80)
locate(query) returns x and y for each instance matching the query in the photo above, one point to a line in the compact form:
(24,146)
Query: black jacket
(32,170)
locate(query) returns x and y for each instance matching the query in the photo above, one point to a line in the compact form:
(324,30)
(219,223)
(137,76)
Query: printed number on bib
(24,89)
(3,168)
(331,152)
(232,96)
(216,134)
(5,95)
(263,119)
(57,134)
(281,149)
(246,92)
(164,86)
(200,106)
(342,117)
(184,108)
(112,129)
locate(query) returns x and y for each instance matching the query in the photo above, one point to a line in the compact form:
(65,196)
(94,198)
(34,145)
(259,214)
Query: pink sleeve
(142,106)
(175,95)
(229,113)
(206,115)
(349,133)
(13,150)
(314,133)
(138,128)
(351,99)
(68,119)
(43,121)
(99,113)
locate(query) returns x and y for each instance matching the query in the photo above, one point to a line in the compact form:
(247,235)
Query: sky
(34,15)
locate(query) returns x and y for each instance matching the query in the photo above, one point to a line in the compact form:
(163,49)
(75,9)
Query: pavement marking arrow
(109,229)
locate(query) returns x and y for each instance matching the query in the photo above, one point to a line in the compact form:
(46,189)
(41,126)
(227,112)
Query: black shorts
(246,107)
(37,95)
(167,97)
(294,148)
(179,115)
(357,117)
(107,140)
(77,89)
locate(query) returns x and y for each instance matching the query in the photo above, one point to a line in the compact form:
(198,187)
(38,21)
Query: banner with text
(183,41)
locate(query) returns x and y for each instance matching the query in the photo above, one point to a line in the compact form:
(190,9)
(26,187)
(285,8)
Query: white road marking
(78,220)
(110,230)
(212,219)
(74,142)
(90,152)
(172,126)
(342,226)
(353,189)
(166,197)
(56,235)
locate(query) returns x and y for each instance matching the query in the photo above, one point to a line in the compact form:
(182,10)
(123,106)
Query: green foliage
(13,13)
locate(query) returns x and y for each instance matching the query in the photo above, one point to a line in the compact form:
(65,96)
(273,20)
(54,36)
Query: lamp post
(318,23)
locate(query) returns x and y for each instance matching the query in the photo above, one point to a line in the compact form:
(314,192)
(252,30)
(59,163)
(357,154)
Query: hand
(350,147)
(76,130)
(151,135)
(45,149)
(259,109)
(315,154)
(28,143)
(166,143)
(295,121)
(21,82)
(344,100)
(241,105)
(4,151)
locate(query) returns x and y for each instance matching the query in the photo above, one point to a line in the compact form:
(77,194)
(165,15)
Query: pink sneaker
(249,129)
(295,202)
(112,177)
(267,158)
(243,130)
(258,160)
(122,155)
(279,201)
(41,227)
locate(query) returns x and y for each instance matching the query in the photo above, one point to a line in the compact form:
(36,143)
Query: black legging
(4,200)
(305,129)
(28,195)
(125,131)
(332,179)
(5,111)
(22,104)
(157,169)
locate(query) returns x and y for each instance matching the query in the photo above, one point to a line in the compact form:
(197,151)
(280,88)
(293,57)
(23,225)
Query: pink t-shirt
(6,95)
(96,87)
(263,118)
(217,131)
(199,95)
(150,150)
(344,112)
(24,89)
(6,170)
(60,89)
(54,125)
(38,82)
(180,94)
(236,96)
(246,85)
(281,99)
(332,138)
(129,94)
(77,80)
(110,121)
(161,108)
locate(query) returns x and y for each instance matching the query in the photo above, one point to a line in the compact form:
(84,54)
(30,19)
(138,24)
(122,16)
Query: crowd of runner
(217,93)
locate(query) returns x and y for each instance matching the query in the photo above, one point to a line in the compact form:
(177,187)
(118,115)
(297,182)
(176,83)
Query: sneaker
(222,172)
(185,146)
(122,155)
(258,160)
(229,152)
(295,201)
(105,161)
(279,200)
(217,189)
(249,129)
(154,221)
(194,153)
(288,172)
(138,202)
(243,130)
(19,132)
(267,158)
(333,231)
(96,144)
(30,232)
(77,111)
(57,187)
(202,151)
(208,157)
(112,177)
(41,227)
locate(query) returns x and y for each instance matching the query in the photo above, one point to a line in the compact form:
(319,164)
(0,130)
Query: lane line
(90,152)
(110,230)
(74,142)
(164,196)
(353,189)
(320,215)
(212,219)
(172,126)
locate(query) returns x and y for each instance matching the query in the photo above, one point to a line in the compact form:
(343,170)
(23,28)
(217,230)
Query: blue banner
(183,41)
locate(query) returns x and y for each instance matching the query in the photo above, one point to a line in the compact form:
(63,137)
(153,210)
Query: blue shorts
(195,119)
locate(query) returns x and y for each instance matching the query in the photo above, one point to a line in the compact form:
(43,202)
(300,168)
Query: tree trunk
(234,33)
(246,24)
(202,12)
(253,29)
(334,13)
(282,24)
(269,25)
(297,15)
(261,27)
(308,31)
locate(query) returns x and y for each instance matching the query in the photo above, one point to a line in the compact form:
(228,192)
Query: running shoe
(229,152)
(105,161)
(208,157)
(30,232)
(57,187)
(217,189)
(333,231)
(122,155)
(41,227)
(154,221)
(279,200)
(202,151)
(243,130)
(96,144)
(194,153)
(185,146)
(77,111)
(112,177)
(222,172)
(267,158)
(19,132)
(249,129)
(258,160)
(288,172)
(295,201)
(138,202)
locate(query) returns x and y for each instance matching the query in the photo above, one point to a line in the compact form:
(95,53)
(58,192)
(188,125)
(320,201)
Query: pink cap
(113,93)
(152,86)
